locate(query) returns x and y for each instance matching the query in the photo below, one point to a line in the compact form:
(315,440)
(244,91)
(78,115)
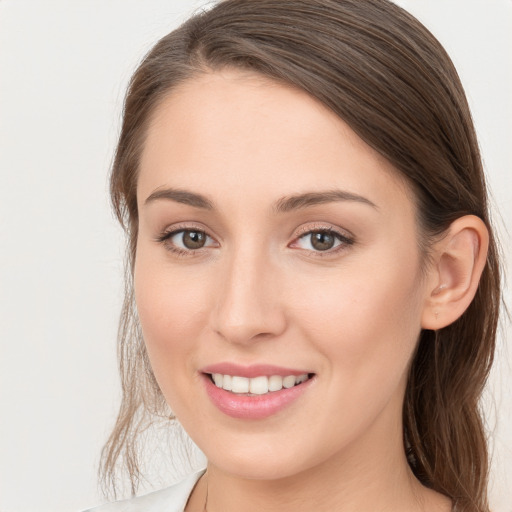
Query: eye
(186,240)
(189,239)
(322,240)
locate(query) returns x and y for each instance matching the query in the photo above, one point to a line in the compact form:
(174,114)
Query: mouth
(257,386)
(257,391)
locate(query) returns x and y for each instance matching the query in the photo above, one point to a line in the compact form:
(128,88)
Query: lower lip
(253,407)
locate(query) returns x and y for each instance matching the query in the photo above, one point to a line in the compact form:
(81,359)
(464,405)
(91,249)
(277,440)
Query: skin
(259,292)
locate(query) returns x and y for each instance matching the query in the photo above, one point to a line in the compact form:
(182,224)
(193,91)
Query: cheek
(171,307)
(170,313)
(366,329)
(367,322)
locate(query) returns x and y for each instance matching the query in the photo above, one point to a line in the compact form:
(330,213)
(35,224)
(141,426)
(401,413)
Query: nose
(249,304)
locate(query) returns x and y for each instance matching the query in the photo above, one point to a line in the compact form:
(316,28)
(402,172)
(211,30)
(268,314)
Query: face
(277,255)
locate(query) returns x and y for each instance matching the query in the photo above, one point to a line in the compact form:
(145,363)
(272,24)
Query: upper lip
(251,371)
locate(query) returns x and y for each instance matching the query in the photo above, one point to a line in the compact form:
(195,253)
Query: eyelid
(172,230)
(321,226)
(176,228)
(345,238)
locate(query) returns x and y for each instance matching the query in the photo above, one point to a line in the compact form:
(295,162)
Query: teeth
(289,382)
(300,379)
(218,378)
(226,382)
(275,383)
(240,384)
(257,385)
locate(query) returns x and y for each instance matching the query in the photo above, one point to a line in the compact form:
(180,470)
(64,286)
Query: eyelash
(344,240)
(167,235)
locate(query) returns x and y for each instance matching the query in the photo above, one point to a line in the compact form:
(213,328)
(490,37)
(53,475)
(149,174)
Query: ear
(458,261)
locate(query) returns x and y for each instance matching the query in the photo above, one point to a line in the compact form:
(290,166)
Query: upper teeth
(256,385)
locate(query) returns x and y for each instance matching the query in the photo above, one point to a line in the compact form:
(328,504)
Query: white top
(171,499)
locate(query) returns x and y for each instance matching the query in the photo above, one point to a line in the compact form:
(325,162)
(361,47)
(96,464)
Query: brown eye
(186,240)
(193,239)
(322,240)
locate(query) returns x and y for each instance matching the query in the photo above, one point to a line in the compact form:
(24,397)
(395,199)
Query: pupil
(193,239)
(322,241)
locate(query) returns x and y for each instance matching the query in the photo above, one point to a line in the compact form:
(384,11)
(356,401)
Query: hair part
(390,80)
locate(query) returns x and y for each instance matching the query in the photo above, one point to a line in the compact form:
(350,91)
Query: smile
(260,385)
(256,392)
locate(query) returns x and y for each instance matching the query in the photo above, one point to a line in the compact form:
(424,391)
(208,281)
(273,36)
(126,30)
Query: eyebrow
(181,196)
(282,205)
(300,201)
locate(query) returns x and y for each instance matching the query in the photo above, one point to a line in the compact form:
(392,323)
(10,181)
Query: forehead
(239,131)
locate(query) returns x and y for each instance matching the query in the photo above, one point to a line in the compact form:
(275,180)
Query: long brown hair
(385,75)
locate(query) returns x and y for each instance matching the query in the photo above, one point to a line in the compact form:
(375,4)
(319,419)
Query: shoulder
(171,499)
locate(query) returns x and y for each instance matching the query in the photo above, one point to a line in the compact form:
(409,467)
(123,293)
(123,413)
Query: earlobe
(459,260)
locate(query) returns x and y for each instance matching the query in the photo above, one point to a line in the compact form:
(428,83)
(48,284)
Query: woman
(313,283)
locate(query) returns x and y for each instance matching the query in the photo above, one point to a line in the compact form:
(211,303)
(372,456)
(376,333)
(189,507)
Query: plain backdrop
(64,65)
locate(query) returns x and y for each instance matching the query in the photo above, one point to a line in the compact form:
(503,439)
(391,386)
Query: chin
(254,468)
(260,460)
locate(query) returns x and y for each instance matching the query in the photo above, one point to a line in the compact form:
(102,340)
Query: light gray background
(64,65)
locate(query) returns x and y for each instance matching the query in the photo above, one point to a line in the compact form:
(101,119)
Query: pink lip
(255,370)
(254,407)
